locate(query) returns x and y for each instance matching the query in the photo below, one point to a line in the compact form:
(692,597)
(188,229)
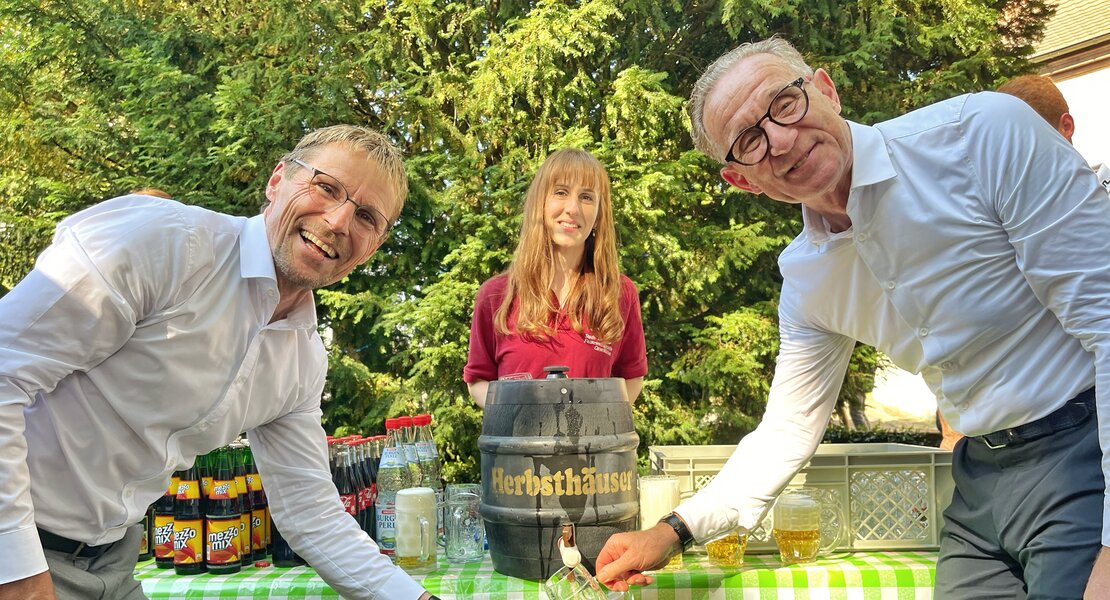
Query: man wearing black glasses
(151,332)
(969,242)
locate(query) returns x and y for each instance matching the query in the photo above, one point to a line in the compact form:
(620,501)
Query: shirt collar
(255,258)
(256,261)
(871,164)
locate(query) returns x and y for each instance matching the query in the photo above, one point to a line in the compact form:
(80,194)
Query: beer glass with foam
(807,521)
(416,530)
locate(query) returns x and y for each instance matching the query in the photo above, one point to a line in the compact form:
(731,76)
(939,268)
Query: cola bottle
(283,555)
(344,483)
(239,467)
(188,529)
(223,551)
(260,514)
(163,525)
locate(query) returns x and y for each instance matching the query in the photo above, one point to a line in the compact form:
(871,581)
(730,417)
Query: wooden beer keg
(555,450)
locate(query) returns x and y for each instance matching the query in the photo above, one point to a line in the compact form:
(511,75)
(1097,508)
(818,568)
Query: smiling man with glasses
(969,242)
(151,332)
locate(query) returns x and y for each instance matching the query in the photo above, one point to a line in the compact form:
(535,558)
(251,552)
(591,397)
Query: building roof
(1077,24)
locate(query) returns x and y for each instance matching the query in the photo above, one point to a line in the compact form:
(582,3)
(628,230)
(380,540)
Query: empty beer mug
(807,521)
(416,530)
(462,523)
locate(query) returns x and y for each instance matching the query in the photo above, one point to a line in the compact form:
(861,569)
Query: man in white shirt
(150,332)
(969,242)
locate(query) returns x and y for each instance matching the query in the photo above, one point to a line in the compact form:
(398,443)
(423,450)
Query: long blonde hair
(595,300)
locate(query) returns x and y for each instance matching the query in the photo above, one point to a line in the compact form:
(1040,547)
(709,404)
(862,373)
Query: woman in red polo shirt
(563,300)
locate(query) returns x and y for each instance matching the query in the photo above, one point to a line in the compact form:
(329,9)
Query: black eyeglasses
(327,190)
(788,107)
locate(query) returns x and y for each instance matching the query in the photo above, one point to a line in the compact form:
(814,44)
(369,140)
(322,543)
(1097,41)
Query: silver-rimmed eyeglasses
(788,107)
(326,190)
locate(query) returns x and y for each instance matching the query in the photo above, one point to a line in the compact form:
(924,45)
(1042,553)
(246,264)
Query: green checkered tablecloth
(857,576)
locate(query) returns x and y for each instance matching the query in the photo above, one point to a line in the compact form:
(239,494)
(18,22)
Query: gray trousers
(111,576)
(1025,520)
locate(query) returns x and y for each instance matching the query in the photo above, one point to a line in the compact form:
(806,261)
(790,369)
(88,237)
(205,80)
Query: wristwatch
(679,526)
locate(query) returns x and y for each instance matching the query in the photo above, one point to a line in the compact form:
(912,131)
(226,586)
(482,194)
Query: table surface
(859,575)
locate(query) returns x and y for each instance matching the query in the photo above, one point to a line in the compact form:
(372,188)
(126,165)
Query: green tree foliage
(102,96)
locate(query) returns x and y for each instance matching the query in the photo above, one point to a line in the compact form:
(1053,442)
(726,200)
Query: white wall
(1088,99)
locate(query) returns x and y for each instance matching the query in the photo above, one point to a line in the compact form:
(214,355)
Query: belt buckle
(1010,439)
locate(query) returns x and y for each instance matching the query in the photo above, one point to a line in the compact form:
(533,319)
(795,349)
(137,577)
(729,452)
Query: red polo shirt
(494,356)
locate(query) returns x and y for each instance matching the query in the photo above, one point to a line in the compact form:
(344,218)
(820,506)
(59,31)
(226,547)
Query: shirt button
(239,380)
(862,237)
(923,332)
(946,365)
(890,285)
(272,293)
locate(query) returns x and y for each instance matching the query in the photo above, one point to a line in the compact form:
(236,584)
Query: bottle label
(163,536)
(259,527)
(188,490)
(223,540)
(410,454)
(390,458)
(425,451)
(365,500)
(244,534)
(387,534)
(350,504)
(188,545)
(254,482)
(222,490)
(144,542)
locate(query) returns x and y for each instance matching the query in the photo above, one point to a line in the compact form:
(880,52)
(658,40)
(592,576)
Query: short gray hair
(696,106)
(376,145)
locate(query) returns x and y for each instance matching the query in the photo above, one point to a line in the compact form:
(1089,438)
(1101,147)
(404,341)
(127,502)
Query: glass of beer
(728,550)
(800,516)
(416,530)
(659,495)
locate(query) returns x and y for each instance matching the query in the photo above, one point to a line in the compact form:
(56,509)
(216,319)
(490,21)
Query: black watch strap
(684,536)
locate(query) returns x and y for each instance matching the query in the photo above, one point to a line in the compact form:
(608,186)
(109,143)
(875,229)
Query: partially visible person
(968,242)
(563,300)
(150,332)
(1042,95)
(153,192)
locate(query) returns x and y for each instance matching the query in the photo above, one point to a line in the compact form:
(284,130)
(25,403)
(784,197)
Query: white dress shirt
(140,340)
(979,256)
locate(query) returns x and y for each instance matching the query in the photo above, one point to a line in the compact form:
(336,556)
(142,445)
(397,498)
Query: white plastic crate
(893,496)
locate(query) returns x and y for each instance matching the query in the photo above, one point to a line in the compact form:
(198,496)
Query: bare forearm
(478,391)
(35,587)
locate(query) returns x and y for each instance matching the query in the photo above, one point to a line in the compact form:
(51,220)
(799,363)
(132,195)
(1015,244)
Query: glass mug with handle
(462,523)
(808,522)
(573,581)
(415,551)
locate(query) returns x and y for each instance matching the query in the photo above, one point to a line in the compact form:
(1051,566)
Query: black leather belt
(55,542)
(1073,413)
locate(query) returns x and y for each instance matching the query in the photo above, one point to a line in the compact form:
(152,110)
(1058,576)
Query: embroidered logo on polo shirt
(597,344)
(516,376)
